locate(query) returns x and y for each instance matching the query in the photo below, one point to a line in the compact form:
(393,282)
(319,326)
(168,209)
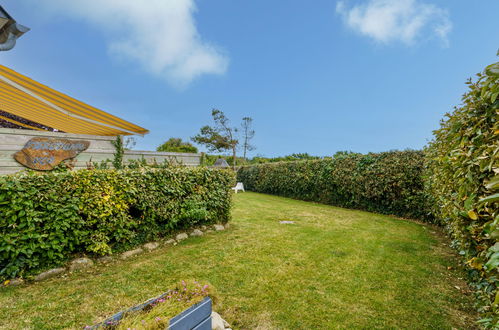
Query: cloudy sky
(317,77)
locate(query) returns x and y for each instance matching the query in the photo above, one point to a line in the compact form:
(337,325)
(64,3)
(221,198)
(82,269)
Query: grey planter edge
(197,316)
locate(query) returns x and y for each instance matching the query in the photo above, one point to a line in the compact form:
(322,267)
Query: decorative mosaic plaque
(43,154)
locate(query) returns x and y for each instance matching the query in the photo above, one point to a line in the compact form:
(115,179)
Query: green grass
(333,268)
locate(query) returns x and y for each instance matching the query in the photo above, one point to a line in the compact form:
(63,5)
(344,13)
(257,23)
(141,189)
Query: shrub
(46,218)
(463,168)
(387,182)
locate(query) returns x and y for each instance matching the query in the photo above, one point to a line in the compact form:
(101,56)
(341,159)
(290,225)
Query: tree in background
(177,145)
(220,137)
(248,134)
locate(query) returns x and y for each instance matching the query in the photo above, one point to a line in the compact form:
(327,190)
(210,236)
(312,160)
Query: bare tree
(248,134)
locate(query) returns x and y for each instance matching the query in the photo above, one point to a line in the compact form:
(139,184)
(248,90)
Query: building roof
(27,98)
(220,162)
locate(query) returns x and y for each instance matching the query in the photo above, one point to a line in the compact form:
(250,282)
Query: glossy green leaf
(490,199)
(493,183)
(492,70)
(493,261)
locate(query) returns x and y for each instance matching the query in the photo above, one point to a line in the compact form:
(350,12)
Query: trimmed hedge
(46,218)
(387,182)
(463,178)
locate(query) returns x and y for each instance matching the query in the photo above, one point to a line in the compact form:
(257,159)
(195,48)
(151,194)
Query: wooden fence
(100,149)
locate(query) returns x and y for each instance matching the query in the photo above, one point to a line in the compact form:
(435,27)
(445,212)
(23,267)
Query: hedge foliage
(44,219)
(387,182)
(463,178)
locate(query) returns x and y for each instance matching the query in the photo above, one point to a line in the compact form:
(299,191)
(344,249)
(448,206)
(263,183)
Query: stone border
(85,262)
(218,323)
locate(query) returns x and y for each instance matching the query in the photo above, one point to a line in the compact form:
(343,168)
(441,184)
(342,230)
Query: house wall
(100,149)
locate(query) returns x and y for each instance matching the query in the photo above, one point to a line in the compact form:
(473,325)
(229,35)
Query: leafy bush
(46,218)
(463,178)
(388,182)
(193,211)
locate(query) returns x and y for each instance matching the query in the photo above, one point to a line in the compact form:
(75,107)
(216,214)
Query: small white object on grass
(239,186)
(286,222)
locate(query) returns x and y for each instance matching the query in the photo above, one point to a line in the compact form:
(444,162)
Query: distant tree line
(259,159)
(222,137)
(218,138)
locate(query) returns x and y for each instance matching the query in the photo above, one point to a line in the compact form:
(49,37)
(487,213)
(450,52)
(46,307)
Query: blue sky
(316,77)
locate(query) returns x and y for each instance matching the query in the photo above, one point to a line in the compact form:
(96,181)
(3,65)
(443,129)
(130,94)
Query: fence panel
(100,149)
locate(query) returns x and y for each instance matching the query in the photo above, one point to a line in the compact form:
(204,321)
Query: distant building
(220,162)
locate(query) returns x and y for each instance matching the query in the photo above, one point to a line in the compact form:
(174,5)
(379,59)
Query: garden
(331,268)
(396,239)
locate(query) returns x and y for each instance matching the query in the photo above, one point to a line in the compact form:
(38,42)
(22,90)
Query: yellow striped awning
(24,97)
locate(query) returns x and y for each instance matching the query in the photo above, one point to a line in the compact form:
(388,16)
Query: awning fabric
(18,123)
(24,97)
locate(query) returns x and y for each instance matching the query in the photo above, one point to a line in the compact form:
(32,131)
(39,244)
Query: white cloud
(160,35)
(396,20)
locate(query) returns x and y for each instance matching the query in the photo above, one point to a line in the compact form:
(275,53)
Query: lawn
(332,268)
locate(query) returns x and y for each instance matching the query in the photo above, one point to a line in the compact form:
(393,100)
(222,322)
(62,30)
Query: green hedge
(463,178)
(387,182)
(44,219)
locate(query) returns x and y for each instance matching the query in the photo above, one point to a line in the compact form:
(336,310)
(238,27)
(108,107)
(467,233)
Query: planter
(196,317)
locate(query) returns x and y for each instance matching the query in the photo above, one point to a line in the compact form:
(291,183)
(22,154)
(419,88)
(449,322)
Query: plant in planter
(156,313)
